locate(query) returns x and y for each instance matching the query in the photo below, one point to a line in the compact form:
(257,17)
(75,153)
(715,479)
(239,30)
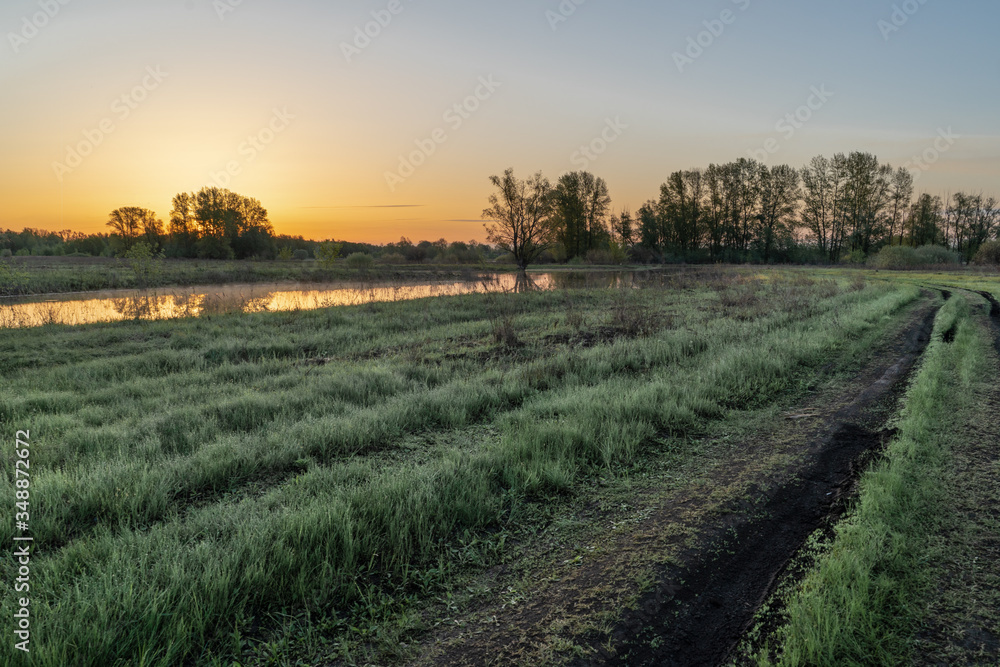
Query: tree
(132,222)
(714,215)
(743,194)
(821,197)
(327,253)
(925,221)
(183,225)
(580,207)
(622,229)
(900,198)
(227,225)
(651,232)
(779,197)
(680,206)
(866,198)
(519,212)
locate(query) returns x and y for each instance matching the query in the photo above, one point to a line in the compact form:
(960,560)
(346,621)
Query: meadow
(345,485)
(43,275)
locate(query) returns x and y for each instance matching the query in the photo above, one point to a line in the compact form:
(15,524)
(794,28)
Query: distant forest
(848,208)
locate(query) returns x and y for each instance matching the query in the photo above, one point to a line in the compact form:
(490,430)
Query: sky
(376,119)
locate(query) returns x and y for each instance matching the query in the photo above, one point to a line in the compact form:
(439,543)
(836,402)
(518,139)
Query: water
(174,302)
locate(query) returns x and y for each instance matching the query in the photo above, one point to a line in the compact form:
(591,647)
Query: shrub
(12,280)
(989,253)
(905,257)
(392,258)
(6,253)
(327,253)
(360,261)
(935,254)
(300,254)
(895,257)
(600,256)
(285,254)
(855,257)
(145,263)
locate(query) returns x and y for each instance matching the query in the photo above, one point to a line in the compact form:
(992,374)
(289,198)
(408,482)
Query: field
(708,466)
(42,275)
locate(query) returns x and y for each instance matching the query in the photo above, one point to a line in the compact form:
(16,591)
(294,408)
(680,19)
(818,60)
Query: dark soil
(697,614)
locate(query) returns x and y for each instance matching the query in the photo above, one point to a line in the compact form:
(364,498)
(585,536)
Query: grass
(873,597)
(45,275)
(196,481)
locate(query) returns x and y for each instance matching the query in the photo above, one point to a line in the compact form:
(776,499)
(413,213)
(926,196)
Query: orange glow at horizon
(117,104)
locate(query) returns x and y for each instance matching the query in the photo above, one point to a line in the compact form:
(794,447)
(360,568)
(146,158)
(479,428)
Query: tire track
(698,614)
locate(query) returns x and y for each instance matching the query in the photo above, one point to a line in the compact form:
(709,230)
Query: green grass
(193,478)
(44,275)
(866,600)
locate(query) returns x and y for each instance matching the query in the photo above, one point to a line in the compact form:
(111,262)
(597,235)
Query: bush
(600,256)
(894,257)
(12,280)
(935,254)
(145,263)
(327,253)
(988,254)
(905,257)
(360,261)
(285,254)
(6,253)
(855,257)
(300,254)
(392,258)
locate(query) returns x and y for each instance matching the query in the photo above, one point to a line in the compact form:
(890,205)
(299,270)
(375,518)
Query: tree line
(845,207)
(215,223)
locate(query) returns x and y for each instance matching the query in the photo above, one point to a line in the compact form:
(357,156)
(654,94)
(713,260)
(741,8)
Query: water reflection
(194,302)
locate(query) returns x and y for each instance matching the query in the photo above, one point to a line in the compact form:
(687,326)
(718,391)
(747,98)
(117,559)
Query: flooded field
(175,302)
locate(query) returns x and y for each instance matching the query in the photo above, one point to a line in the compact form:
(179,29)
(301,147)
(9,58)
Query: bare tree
(519,212)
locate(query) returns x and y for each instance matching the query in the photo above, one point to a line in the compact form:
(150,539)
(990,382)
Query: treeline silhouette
(218,224)
(848,207)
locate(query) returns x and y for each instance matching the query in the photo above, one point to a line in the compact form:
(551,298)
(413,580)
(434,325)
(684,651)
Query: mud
(697,614)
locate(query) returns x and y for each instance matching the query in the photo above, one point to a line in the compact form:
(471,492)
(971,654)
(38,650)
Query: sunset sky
(109,103)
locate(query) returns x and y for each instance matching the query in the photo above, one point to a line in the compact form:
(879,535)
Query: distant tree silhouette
(130,223)
(519,213)
(218,224)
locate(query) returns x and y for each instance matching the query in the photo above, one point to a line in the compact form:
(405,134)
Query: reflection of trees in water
(188,305)
(517,283)
(220,303)
(592,279)
(524,283)
(140,305)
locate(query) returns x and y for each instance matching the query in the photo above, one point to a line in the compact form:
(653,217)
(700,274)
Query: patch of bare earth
(679,578)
